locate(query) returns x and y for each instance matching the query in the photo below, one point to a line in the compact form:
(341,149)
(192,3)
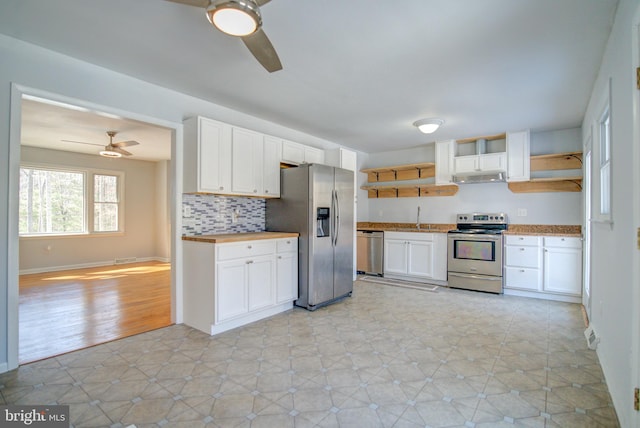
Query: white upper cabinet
(223,159)
(271,166)
(313,155)
(292,152)
(247,162)
(296,153)
(342,158)
(444,161)
(207,156)
(518,156)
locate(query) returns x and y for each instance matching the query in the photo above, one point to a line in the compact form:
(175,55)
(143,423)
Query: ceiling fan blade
(121,151)
(80,142)
(261,48)
(196,3)
(125,143)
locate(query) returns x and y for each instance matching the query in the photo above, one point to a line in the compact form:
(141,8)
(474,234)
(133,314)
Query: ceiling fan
(241,18)
(111,150)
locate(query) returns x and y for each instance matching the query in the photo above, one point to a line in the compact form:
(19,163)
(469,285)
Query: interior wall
(163,211)
(541,208)
(614,290)
(41,254)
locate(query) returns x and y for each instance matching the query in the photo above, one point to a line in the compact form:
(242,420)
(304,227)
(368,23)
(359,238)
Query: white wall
(615,283)
(82,83)
(141,233)
(541,208)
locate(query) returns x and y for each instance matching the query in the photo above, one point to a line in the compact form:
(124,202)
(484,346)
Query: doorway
(167,227)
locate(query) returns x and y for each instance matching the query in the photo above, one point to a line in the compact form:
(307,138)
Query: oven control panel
(482,218)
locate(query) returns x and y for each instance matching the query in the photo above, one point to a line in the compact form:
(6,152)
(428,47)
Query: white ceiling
(75,129)
(356,72)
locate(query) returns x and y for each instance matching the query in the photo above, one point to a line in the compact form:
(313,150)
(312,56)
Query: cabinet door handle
(288,242)
(521,249)
(279,257)
(221,187)
(255,190)
(266,191)
(249,262)
(522,270)
(521,238)
(249,246)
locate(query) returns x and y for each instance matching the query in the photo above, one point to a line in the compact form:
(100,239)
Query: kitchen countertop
(545,230)
(514,229)
(239,237)
(406,227)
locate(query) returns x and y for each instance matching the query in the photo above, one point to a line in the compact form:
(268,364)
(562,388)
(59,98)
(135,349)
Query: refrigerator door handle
(337,218)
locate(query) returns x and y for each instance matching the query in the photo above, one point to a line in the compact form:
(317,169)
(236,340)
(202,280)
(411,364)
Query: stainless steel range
(475,252)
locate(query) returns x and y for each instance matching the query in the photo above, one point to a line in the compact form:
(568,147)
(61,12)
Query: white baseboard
(4,367)
(541,295)
(88,265)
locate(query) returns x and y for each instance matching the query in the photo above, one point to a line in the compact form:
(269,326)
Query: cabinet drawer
(288,245)
(522,240)
(522,256)
(522,278)
(563,242)
(245,249)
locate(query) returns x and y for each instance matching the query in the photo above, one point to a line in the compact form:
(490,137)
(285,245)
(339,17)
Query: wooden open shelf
(553,184)
(556,161)
(410,190)
(502,136)
(413,171)
(550,162)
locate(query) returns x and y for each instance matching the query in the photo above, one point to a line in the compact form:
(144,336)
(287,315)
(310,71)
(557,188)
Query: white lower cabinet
(547,267)
(287,270)
(563,265)
(227,285)
(523,263)
(418,256)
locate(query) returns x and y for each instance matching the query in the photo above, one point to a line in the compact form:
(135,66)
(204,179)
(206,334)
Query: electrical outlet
(522,212)
(186,211)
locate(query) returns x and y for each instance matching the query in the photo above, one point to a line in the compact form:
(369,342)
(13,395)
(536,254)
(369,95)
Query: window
(55,201)
(105,203)
(605,164)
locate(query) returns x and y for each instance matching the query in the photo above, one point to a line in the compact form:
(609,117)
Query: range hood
(479,177)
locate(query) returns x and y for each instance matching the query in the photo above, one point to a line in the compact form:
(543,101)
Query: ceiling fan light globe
(235,17)
(110,154)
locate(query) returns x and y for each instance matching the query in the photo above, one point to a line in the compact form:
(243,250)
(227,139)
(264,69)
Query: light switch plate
(522,212)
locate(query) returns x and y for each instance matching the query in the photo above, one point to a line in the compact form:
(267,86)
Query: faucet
(418,219)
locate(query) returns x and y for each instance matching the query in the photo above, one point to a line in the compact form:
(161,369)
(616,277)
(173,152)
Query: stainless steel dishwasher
(370,252)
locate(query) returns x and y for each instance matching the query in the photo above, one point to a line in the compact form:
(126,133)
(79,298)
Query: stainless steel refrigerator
(317,202)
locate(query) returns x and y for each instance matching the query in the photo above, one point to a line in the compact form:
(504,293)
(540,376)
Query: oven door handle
(484,277)
(476,237)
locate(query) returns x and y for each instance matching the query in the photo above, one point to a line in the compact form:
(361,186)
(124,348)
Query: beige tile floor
(386,357)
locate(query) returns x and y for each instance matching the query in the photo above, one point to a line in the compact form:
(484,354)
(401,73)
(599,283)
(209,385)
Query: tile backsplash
(210,214)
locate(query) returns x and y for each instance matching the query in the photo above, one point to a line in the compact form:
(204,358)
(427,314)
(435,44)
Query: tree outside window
(51,202)
(105,204)
(59,202)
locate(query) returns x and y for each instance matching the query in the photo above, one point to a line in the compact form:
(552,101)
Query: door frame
(587,169)
(635,192)
(175,180)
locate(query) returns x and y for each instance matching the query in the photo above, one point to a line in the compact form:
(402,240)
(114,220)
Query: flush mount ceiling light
(235,17)
(428,126)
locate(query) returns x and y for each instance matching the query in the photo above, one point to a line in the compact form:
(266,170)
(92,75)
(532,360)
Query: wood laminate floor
(69,310)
